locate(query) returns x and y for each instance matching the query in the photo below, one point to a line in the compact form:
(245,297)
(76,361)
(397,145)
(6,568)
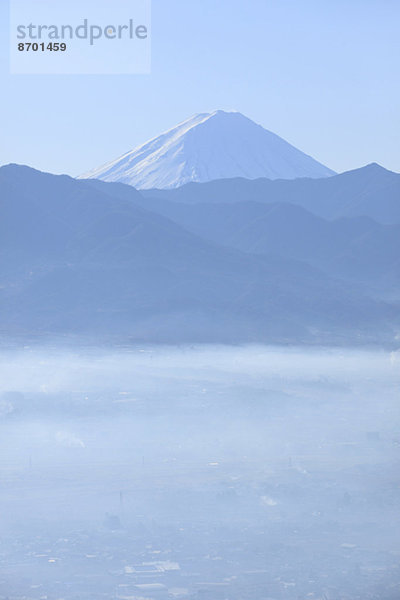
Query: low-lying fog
(203,472)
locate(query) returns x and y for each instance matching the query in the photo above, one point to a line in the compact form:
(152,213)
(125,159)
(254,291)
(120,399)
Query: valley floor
(203,472)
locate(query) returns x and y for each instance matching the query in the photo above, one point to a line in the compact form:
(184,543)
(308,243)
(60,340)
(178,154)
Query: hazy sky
(323,74)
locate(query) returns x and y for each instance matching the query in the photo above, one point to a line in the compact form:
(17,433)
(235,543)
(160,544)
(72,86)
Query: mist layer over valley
(199,472)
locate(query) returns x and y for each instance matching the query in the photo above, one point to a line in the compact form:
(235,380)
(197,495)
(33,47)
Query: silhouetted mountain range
(371,191)
(82,256)
(356,249)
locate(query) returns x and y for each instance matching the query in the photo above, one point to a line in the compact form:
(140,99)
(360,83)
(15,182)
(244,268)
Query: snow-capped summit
(217,145)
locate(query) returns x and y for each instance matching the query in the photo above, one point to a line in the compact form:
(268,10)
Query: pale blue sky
(324,75)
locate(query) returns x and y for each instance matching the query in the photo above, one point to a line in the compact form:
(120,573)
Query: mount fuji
(209,146)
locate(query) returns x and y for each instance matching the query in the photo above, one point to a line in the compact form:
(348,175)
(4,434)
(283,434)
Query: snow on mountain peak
(208,146)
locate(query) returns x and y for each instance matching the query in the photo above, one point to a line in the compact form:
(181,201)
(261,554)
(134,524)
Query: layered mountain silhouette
(357,238)
(206,147)
(356,249)
(99,258)
(371,191)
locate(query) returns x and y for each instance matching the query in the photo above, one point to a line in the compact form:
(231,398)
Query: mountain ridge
(367,191)
(75,259)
